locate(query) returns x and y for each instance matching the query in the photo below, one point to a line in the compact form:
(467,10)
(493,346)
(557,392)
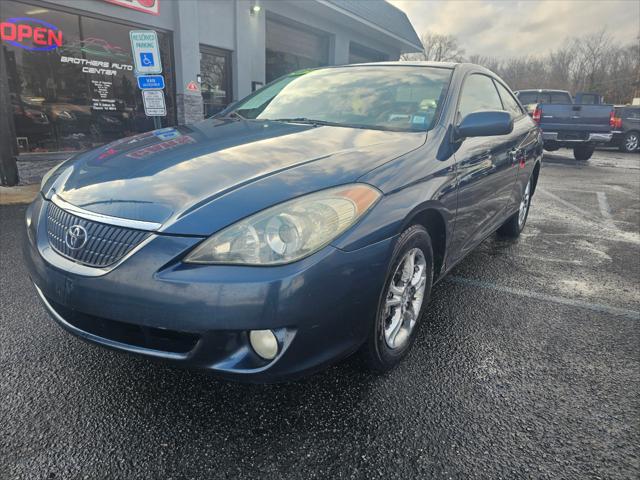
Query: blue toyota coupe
(303,224)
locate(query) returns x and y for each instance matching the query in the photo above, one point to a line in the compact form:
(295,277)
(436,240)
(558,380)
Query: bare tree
(437,48)
(591,55)
(589,63)
(492,63)
(561,67)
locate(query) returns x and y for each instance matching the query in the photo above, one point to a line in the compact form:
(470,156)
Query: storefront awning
(382,16)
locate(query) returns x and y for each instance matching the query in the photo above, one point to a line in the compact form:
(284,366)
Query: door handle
(517,156)
(514,154)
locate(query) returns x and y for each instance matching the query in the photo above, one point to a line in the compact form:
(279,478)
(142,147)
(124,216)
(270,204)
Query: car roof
(542,90)
(406,64)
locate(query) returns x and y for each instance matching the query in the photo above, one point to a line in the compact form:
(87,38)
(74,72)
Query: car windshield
(380,97)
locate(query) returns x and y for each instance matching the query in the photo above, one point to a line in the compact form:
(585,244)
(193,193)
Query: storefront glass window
(289,48)
(71,79)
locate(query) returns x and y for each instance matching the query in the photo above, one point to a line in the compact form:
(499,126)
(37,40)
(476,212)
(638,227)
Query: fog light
(265,343)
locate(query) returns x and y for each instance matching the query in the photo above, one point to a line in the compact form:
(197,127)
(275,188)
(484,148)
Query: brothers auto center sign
(146,6)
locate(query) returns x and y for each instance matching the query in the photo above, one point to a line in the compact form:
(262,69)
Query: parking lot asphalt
(526,366)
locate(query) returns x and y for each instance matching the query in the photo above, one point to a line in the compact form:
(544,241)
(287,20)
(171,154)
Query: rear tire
(516,222)
(583,152)
(630,142)
(406,292)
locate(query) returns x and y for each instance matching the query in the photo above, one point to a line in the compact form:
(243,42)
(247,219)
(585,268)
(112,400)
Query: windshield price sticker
(145,50)
(154,105)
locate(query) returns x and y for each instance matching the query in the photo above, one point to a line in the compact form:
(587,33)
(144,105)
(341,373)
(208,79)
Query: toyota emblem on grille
(76,237)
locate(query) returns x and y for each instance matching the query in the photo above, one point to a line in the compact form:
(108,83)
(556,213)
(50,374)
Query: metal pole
(8,146)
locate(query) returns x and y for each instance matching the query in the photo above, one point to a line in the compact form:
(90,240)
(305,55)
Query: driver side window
(478,93)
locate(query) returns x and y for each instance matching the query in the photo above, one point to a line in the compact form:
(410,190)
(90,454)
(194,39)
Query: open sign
(31,34)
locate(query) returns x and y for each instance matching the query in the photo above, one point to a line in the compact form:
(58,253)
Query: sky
(505,28)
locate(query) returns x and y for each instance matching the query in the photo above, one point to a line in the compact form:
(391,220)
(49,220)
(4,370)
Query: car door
(485,169)
(523,147)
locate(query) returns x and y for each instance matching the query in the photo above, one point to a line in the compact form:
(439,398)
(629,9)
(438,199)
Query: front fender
(428,184)
(393,214)
(420,180)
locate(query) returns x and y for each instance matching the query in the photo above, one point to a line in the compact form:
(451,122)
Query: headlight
(289,231)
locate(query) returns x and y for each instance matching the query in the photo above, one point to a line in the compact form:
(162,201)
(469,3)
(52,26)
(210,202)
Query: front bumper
(199,315)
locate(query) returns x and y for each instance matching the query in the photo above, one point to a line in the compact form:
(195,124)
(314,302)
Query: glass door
(215,73)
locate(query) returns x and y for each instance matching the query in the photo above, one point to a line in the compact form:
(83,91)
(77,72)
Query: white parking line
(617,188)
(545,259)
(565,203)
(605,210)
(596,307)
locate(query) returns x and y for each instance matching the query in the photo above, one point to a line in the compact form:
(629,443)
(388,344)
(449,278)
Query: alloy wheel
(631,142)
(404,298)
(524,205)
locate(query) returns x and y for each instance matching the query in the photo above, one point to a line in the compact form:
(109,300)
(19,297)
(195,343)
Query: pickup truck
(580,125)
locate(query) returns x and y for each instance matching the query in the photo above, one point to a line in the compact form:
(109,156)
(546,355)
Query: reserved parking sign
(146,52)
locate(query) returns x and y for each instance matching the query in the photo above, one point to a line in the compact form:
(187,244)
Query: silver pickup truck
(580,125)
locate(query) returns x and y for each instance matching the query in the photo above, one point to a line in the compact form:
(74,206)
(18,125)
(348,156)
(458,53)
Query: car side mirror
(486,123)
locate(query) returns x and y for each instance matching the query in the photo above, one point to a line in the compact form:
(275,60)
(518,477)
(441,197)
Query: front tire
(516,222)
(630,142)
(406,292)
(583,153)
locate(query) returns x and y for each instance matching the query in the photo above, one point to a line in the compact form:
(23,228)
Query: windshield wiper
(309,121)
(233,113)
(315,123)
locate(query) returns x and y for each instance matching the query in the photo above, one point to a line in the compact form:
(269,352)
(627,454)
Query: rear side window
(478,93)
(510,103)
(589,99)
(527,98)
(560,97)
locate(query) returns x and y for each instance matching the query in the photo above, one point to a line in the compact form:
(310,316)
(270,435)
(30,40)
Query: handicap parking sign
(146,59)
(146,52)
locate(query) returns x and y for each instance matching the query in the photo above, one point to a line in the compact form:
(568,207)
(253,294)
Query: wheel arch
(631,130)
(434,222)
(534,175)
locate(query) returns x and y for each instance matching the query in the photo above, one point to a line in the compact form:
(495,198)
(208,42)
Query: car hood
(166,175)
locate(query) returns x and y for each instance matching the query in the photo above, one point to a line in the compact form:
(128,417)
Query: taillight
(615,122)
(537,114)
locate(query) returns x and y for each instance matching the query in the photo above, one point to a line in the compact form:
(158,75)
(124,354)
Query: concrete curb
(20,194)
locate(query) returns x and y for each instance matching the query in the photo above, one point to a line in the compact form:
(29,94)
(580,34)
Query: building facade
(72,79)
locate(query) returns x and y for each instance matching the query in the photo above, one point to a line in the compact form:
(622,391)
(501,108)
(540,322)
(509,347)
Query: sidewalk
(32,166)
(18,194)
(31,169)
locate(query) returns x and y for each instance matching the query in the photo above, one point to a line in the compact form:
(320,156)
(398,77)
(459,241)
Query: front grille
(104,246)
(153,338)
